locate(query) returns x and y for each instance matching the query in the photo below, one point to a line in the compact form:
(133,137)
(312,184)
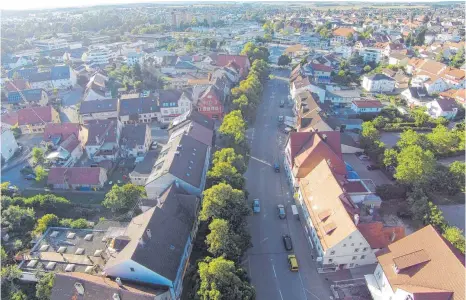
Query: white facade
(135,58)
(371,55)
(99,55)
(359,110)
(8,144)
(380,85)
(380,287)
(51,44)
(435,111)
(436,86)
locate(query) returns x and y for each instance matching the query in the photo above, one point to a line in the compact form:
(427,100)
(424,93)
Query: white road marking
(280,294)
(274,273)
(302,286)
(262,161)
(264,239)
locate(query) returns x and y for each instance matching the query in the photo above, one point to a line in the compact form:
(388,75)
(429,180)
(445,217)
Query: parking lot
(360,167)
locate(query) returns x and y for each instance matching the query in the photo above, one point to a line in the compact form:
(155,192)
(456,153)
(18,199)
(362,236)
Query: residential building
(33,120)
(91,287)
(8,144)
(393,47)
(135,57)
(416,96)
(77,178)
(188,117)
(55,77)
(135,141)
(299,86)
(98,110)
(342,97)
(14,85)
(96,88)
(222,60)
(423,265)
(366,106)
(194,130)
(318,72)
(333,222)
(373,55)
(64,141)
(378,83)
(143,169)
(446,108)
(210,103)
(100,55)
(309,113)
(397,59)
(173,103)
(455,78)
(9,120)
(137,109)
(167,230)
(28,97)
(342,35)
(51,44)
(103,139)
(183,160)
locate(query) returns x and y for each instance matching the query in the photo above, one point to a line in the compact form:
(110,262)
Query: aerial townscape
(233,151)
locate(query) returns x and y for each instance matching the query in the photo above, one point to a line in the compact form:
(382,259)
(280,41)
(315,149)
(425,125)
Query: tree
(123,198)
(410,137)
(41,174)
(439,56)
(18,219)
(458,59)
(435,217)
(18,295)
(442,140)
(136,72)
(457,170)
(369,133)
(241,103)
(38,156)
(390,157)
(367,69)
(418,203)
(233,127)
(414,164)
(221,240)
(221,201)
(225,172)
(284,60)
(44,222)
(219,279)
(44,286)
(3,254)
(11,273)
(228,155)
(455,236)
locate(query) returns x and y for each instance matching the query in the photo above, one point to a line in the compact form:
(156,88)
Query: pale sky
(41,4)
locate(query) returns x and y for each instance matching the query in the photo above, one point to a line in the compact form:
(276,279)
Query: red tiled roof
(321,67)
(35,115)
(343,31)
(368,103)
(16,85)
(10,118)
(379,236)
(62,129)
(223,60)
(74,175)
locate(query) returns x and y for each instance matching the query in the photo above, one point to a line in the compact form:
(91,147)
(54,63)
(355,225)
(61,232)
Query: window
(378,274)
(355,257)
(364,249)
(363,256)
(351,265)
(356,250)
(132,269)
(332,252)
(352,245)
(330,260)
(344,245)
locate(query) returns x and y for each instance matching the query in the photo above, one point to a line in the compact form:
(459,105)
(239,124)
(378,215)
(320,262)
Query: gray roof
(140,105)
(144,168)
(418,92)
(376,77)
(184,157)
(191,115)
(100,288)
(133,135)
(159,235)
(97,106)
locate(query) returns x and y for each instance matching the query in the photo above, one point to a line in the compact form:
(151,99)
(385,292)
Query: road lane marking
(264,239)
(274,273)
(302,285)
(280,294)
(262,161)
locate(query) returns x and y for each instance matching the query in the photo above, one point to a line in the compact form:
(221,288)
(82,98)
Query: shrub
(391,191)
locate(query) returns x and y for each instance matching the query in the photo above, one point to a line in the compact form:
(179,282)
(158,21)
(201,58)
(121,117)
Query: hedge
(391,191)
(404,128)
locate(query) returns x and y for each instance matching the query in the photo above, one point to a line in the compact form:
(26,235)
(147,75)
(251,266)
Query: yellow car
(293,263)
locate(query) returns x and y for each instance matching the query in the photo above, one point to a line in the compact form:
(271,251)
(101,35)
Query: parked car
(287,242)
(281,119)
(281,211)
(30,177)
(26,170)
(276,167)
(256,208)
(293,263)
(364,157)
(372,167)
(282,103)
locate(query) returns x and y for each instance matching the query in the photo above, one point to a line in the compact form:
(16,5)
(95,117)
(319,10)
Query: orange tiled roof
(343,31)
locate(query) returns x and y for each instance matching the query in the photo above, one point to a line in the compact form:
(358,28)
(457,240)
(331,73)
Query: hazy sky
(38,4)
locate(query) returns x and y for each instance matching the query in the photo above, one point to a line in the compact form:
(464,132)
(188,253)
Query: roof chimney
(209,76)
(392,236)
(356,219)
(118,281)
(324,137)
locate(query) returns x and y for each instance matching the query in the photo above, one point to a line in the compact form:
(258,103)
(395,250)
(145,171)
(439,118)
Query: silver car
(281,211)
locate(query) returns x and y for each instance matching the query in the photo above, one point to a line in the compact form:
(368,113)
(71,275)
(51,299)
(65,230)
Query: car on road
(256,208)
(276,167)
(287,242)
(372,167)
(281,211)
(282,103)
(30,177)
(364,157)
(281,119)
(293,263)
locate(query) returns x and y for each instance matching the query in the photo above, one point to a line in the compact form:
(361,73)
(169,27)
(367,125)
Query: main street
(266,261)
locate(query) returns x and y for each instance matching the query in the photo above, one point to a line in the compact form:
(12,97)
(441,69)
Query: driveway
(359,166)
(449,160)
(390,138)
(266,261)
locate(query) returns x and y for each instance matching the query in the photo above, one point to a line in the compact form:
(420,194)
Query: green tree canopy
(222,240)
(390,157)
(228,155)
(221,280)
(18,219)
(41,174)
(414,164)
(233,127)
(44,222)
(420,116)
(443,140)
(44,286)
(455,236)
(221,201)
(225,172)
(38,156)
(284,60)
(123,198)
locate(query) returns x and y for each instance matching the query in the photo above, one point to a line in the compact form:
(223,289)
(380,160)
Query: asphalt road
(266,261)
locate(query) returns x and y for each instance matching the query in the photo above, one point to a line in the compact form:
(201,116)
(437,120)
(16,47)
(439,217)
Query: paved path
(266,261)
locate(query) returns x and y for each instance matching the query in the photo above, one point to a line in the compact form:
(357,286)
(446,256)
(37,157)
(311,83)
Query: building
(135,141)
(33,120)
(373,55)
(223,60)
(64,141)
(100,55)
(51,44)
(143,169)
(445,108)
(173,103)
(309,113)
(378,83)
(194,130)
(210,103)
(342,35)
(55,77)
(102,141)
(167,230)
(318,72)
(28,97)
(183,160)
(77,178)
(191,116)
(416,96)
(91,287)
(423,265)
(96,88)
(332,219)
(342,97)
(8,144)
(366,106)
(98,110)
(299,85)
(135,57)
(137,109)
